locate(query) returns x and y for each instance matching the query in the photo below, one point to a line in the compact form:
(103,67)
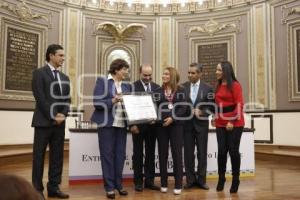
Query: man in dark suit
(200,98)
(144,133)
(51,90)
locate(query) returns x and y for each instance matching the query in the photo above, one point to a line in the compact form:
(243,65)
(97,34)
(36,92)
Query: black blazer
(204,101)
(139,87)
(45,107)
(179,106)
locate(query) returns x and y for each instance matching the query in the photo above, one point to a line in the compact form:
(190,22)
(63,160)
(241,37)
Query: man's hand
(168,121)
(197,112)
(59,118)
(134,130)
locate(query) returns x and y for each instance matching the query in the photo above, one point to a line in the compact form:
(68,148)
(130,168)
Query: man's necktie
(56,87)
(194,93)
(147,87)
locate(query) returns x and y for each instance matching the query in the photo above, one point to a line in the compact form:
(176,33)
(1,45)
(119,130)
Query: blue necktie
(194,93)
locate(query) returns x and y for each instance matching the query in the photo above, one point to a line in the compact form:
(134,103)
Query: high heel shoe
(110,195)
(234,186)
(123,192)
(221,183)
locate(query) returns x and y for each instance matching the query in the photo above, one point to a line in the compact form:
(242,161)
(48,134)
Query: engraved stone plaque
(298,58)
(21,59)
(209,55)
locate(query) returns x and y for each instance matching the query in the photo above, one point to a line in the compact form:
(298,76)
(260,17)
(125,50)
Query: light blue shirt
(194,90)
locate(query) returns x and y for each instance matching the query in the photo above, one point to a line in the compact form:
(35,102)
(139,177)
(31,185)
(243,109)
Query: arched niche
(115,51)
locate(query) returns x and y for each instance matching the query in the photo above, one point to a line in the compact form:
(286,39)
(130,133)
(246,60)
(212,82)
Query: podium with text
(85,164)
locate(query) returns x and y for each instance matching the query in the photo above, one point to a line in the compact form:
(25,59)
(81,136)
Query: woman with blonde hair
(170,101)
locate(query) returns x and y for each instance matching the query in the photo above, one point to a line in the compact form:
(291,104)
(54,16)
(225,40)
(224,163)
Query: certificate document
(139,108)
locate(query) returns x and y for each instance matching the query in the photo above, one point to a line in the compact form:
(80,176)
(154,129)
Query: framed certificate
(139,108)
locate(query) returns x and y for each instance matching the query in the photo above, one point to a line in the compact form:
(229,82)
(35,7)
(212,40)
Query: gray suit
(196,134)
(45,130)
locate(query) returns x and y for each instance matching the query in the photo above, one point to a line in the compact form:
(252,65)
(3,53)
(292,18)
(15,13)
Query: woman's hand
(213,122)
(229,126)
(117,98)
(168,121)
(134,130)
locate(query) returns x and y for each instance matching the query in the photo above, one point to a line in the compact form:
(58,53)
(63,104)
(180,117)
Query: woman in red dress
(229,122)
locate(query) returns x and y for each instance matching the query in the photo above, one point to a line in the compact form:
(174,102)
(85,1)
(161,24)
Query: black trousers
(147,137)
(174,135)
(229,141)
(198,138)
(54,136)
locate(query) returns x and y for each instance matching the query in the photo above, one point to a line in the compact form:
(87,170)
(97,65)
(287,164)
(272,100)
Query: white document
(139,108)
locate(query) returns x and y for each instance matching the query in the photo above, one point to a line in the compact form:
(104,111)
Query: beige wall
(259,48)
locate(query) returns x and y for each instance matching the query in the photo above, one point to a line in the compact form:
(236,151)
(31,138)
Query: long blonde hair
(174,78)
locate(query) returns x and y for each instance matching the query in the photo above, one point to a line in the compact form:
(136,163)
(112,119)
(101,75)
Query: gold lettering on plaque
(209,56)
(21,59)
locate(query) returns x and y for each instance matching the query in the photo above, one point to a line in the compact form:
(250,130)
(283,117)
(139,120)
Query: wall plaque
(298,58)
(209,55)
(21,58)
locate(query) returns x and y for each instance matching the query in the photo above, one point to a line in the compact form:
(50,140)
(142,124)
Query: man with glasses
(144,133)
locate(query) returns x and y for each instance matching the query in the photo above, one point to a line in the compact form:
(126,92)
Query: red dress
(232,99)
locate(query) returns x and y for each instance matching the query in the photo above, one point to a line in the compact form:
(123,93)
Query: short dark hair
(198,65)
(116,65)
(52,48)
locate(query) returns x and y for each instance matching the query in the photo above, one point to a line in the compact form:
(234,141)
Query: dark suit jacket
(45,107)
(179,110)
(205,95)
(138,87)
(103,95)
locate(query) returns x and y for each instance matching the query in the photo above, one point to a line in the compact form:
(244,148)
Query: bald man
(144,133)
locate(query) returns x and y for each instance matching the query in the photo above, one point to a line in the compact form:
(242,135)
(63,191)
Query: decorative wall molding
(290,13)
(293,60)
(230,39)
(24,12)
(212,27)
(294,11)
(119,31)
(106,45)
(157,7)
(9,94)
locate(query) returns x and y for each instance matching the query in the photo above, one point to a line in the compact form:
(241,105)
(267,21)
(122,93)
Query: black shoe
(123,192)
(220,186)
(138,188)
(41,195)
(152,187)
(189,185)
(234,186)
(58,194)
(203,186)
(110,195)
